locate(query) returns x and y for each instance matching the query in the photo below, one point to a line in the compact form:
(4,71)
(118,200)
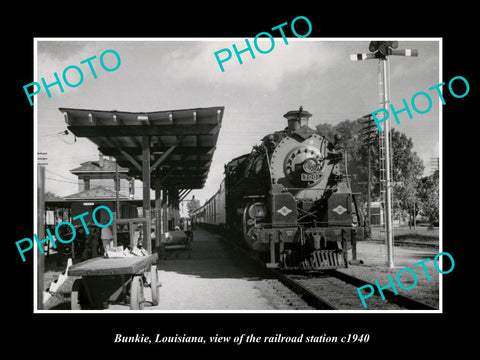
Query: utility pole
(117,189)
(368,139)
(40,263)
(382,50)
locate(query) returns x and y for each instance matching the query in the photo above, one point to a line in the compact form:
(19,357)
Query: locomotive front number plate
(310,177)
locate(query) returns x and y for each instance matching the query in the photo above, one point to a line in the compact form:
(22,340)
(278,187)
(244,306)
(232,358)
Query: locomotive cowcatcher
(291,200)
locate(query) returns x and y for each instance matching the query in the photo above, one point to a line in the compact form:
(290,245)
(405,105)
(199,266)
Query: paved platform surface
(374,268)
(375,254)
(214,278)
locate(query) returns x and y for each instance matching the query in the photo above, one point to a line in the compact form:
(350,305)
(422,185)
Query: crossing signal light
(382,48)
(373,46)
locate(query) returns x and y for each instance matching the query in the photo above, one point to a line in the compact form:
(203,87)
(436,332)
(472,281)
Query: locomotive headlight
(310,166)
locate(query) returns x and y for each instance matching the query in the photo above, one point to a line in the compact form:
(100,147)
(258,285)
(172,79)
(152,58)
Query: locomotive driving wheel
(253,213)
(248,223)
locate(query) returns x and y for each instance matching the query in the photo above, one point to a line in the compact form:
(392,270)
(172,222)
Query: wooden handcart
(113,280)
(177,240)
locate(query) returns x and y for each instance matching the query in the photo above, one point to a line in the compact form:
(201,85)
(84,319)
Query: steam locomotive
(289,199)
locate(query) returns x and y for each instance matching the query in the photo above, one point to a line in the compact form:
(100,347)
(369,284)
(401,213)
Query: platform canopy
(179,144)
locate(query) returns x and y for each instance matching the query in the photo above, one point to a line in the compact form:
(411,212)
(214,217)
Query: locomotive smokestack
(297,118)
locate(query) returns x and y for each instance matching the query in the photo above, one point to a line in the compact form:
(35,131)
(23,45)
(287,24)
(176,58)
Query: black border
(389,333)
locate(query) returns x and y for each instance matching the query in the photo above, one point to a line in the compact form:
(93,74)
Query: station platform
(375,254)
(213,278)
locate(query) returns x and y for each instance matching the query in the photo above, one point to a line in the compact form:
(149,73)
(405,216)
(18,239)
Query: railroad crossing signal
(381,50)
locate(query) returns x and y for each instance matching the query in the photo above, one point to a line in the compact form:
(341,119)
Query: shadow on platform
(211,257)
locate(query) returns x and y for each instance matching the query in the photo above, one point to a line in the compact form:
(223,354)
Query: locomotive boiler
(291,200)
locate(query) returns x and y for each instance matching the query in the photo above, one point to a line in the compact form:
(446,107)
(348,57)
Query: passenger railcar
(212,213)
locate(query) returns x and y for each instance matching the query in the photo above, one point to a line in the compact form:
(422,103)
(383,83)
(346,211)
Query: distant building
(102,173)
(376,213)
(96,186)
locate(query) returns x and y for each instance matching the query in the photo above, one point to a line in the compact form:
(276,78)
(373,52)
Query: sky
(170,74)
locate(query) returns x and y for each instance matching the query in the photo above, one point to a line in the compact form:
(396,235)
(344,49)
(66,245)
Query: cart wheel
(67,250)
(77,294)
(137,299)
(154,285)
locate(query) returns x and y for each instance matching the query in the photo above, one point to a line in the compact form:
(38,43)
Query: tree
(408,201)
(407,166)
(407,169)
(352,144)
(50,196)
(326,130)
(429,194)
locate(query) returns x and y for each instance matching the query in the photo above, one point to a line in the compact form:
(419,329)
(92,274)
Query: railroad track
(335,290)
(425,244)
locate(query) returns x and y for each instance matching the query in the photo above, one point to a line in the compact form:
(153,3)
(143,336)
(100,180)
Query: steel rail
(304,292)
(401,300)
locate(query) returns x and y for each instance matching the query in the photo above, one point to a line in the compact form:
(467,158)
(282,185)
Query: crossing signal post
(381,50)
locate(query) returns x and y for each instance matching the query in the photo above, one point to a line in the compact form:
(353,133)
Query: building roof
(97,193)
(181,142)
(94,166)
